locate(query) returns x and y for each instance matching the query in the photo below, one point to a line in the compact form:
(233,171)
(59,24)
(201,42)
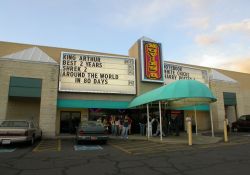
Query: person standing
(129,125)
(117,126)
(149,128)
(112,122)
(158,130)
(125,127)
(142,125)
(177,125)
(105,123)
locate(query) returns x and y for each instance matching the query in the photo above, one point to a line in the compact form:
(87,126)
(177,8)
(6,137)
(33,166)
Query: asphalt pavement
(127,157)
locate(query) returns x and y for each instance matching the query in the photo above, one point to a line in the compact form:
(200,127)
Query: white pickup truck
(14,131)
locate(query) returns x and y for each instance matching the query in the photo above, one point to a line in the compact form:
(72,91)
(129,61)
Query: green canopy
(203,107)
(178,94)
(104,104)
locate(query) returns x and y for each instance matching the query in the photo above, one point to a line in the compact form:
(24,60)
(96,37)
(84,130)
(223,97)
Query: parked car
(14,131)
(243,123)
(91,131)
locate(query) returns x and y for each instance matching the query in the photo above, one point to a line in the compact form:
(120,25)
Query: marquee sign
(151,62)
(173,72)
(97,73)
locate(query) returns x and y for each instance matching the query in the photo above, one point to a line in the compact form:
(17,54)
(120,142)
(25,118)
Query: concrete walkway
(172,139)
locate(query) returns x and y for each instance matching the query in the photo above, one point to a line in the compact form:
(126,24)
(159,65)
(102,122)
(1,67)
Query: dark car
(243,123)
(91,131)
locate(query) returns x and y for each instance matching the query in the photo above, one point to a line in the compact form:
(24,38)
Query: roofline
(28,61)
(74,50)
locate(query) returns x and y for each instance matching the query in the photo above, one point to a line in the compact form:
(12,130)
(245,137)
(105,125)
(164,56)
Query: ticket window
(69,121)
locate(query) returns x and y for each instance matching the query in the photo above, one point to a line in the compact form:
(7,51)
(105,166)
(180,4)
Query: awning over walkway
(181,93)
(192,108)
(104,104)
(177,94)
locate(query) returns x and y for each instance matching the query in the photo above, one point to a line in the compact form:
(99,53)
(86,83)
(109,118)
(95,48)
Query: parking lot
(130,146)
(64,156)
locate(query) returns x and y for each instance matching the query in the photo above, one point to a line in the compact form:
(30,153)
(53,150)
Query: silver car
(91,131)
(14,131)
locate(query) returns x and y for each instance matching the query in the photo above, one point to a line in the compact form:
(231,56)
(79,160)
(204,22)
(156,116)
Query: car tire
(78,142)
(41,135)
(235,129)
(32,141)
(104,142)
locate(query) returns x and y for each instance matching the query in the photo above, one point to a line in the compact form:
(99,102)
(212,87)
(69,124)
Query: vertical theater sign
(151,62)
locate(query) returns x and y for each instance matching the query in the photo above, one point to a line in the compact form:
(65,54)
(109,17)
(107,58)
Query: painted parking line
(135,144)
(7,150)
(147,147)
(120,148)
(160,148)
(223,144)
(87,147)
(48,145)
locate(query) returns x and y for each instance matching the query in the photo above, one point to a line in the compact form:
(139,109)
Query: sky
(210,33)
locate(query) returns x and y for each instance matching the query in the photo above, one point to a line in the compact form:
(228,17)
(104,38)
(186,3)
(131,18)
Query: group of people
(118,125)
(170,124)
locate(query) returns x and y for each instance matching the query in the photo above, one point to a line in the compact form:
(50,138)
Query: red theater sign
(151,62)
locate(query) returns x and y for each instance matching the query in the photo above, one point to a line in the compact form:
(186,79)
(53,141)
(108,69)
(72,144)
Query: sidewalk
(182,139)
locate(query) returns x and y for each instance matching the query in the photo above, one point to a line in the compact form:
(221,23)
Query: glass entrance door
(69,121)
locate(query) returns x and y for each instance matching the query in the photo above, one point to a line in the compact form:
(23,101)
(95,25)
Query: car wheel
(104,141)
(235,130)
(41,135)
(78,142)
(32,141)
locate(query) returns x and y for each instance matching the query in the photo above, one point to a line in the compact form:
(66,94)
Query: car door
(35,129)
(248,121)
(242,122)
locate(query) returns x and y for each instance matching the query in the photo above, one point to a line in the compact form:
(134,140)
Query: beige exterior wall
(243,79)
(203,119)
(49,75)
(241,88)
(23,108)
(55,53)
(49,114)
(218,87)
(4,91)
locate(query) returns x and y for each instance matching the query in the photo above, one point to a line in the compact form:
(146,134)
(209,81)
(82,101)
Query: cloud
(206,39)
(238,64)
(199,23)
(142,12)
(211,60)
(200,4)
(223,31)
(215,59)
(242,26)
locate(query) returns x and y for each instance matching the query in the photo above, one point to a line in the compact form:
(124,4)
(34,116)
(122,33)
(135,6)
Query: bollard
(190,141)
(225,131)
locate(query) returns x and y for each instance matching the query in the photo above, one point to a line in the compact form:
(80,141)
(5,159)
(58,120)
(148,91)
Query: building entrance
(69,120)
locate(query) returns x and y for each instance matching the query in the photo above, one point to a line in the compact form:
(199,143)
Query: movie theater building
(59,87)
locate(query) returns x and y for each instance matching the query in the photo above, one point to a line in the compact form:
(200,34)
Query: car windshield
(242,117)
(18,124)
(91,124)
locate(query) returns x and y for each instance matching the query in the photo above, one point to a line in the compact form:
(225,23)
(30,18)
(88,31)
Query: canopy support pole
(147,121)
(160,120)
(195,117)
(211,119)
